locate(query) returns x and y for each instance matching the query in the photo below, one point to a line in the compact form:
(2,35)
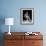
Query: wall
(11,8)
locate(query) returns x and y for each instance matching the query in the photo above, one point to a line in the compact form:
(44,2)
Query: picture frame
(27,15)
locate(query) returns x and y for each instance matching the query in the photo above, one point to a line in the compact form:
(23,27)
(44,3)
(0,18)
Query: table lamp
(9,21)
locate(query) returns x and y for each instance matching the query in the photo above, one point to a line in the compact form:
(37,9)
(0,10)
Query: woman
(26,17)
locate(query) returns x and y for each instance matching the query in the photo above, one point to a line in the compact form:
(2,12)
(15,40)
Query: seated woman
(26,17)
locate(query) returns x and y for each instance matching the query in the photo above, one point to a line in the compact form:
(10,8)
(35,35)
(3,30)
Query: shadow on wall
(2,21)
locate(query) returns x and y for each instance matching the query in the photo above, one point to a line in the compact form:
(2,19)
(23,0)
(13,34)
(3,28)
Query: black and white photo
(27,15)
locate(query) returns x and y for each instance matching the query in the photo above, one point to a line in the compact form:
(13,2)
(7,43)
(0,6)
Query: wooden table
(20,39)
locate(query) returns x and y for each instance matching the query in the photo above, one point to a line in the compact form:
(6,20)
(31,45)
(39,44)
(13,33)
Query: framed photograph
(27,15)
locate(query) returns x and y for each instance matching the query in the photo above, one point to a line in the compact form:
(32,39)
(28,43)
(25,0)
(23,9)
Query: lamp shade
(9,21)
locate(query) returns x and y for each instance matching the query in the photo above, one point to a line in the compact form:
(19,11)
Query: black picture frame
(27,15)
